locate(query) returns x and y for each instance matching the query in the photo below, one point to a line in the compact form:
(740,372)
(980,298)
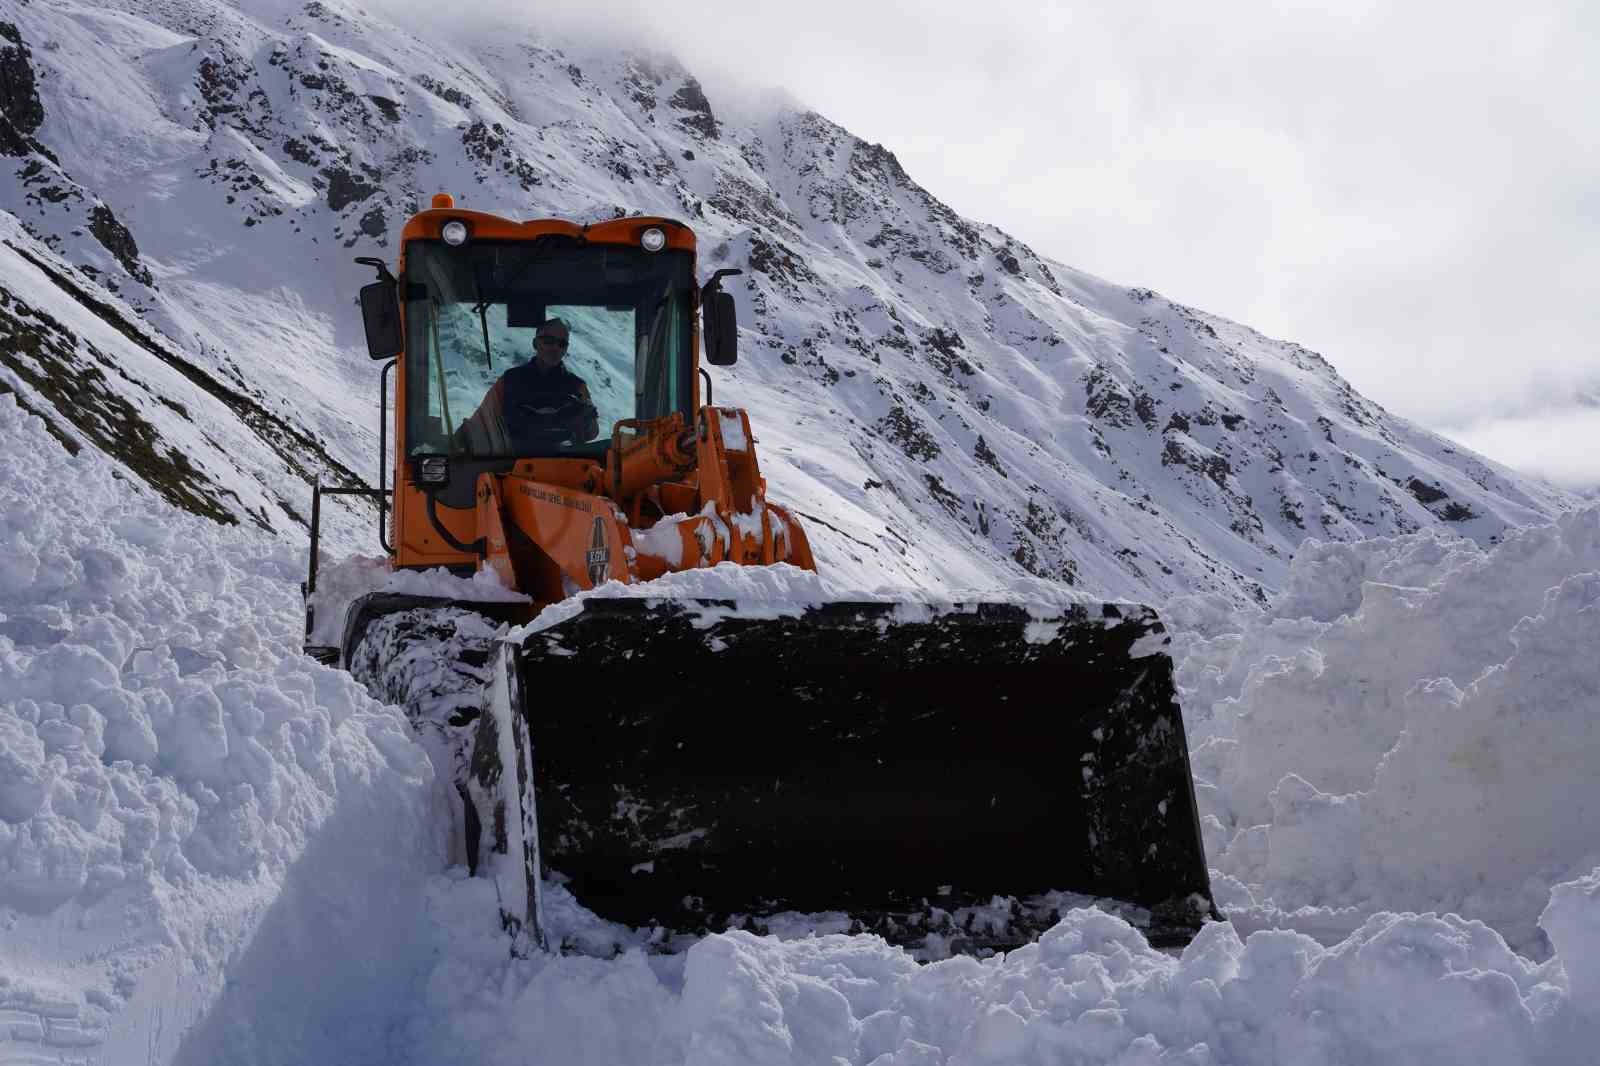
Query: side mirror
(722,329)
(721,333)
(380,313)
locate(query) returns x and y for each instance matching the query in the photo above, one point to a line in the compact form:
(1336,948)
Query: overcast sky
(1412,189)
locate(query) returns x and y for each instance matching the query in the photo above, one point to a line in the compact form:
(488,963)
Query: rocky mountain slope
(185,183)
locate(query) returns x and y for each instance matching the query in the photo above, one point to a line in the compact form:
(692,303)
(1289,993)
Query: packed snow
(341,582)
(1414,724)
(213,849)
(191,811)
(785,591)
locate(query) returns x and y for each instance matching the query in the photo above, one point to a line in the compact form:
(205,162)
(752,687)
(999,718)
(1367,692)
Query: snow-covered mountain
(187,181)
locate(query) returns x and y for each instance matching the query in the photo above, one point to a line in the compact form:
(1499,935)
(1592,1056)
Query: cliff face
(944,405)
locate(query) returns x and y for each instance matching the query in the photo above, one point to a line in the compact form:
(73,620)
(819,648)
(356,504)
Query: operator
(535,405)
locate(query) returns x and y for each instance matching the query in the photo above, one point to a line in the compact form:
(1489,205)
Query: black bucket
(692,762)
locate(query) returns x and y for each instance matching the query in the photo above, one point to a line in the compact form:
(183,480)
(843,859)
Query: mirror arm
(377,264)
(715,283)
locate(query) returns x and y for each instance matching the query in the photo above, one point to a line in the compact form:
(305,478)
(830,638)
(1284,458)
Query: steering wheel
(542,424)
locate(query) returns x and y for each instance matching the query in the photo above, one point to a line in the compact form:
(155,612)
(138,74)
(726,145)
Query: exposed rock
(447,93)
(71,374)
(943,496)
(346,187)
(945,348)
(305,456)
(985,455)
(374,225)
(21,112)
(487,143)
(1428,495)
(779,261)
(691,99)
(119,242)
(1424,492)
(902,428)
(1106,400)
(387,107)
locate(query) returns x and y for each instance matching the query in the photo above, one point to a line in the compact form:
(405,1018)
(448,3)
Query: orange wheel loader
(681,764)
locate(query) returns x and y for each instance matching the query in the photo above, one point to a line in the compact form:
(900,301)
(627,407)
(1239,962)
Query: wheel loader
(684,764)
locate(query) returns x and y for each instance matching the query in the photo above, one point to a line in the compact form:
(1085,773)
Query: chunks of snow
(1422,736)
(733,435)
(663,540)
(191,812)
(1400,988)
(196,821)
(782,590)
(339,584)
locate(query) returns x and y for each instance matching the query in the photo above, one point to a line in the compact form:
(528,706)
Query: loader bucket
(685,764)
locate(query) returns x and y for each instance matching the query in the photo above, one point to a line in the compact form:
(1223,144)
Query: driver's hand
(585,422)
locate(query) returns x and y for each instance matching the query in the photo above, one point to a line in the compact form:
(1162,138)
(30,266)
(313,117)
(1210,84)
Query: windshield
(473,386)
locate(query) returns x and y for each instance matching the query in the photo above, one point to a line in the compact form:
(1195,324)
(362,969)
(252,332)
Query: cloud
(1562,446)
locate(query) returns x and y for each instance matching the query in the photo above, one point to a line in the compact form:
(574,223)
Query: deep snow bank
(1400,989)
(214,850)
(206,840)
(1415,724)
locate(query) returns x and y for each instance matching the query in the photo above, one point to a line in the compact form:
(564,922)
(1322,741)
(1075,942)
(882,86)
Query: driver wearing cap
(535,405)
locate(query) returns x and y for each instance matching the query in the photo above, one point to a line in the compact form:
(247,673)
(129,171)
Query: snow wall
(1415,724)
(215,850)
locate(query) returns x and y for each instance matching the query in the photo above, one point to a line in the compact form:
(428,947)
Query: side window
(676,342)
(468,368)
(661,389)
(426,432)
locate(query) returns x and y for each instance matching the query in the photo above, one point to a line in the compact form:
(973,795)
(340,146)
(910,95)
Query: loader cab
(470,296)
(472,314)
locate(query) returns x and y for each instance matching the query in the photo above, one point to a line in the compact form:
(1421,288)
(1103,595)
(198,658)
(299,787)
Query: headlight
(653,239)
(454,233)
(432,469)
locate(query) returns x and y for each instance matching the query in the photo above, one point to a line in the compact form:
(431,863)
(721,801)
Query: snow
(785,591)
(1403,988)
(1366,745)
(341,583)
(663,540)
(950,407)
(188,802)
(733,435)
(214,849)
(1572,921)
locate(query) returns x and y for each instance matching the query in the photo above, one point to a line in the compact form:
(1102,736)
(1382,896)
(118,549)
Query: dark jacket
(510,419)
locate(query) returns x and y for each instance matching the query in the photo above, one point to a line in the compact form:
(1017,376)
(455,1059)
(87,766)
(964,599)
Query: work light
(432,469)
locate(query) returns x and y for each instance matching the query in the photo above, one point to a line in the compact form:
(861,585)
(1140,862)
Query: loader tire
(433,662)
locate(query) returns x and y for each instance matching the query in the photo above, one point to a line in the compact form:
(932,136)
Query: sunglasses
(553,342)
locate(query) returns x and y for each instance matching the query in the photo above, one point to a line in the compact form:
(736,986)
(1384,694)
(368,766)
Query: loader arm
(551,540)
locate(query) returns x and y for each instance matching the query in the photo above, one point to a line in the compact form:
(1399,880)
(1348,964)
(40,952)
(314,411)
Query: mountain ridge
(947,406)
